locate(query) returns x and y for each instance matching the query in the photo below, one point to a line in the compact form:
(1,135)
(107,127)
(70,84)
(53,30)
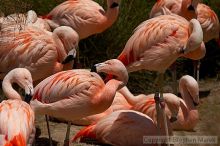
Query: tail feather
(85,132)
(17,140)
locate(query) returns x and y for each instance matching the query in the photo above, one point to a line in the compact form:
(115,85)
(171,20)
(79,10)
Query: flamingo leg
(48,130)
(160,106)
(196,69)
(174,84)
(66,141)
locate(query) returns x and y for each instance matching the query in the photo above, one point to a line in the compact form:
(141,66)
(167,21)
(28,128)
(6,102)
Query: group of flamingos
(43,49)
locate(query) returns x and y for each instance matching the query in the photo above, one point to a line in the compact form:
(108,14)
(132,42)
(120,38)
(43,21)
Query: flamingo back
(120,124)
(16,122)
(74,13)
(156,43)
(32,48)
(66,84)
(209,22)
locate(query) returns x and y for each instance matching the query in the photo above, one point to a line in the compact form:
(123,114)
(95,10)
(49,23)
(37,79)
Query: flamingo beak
(70,56)
(114,4)
(195,104)
(27,98)
(29,94)
(173,119)
(93,69)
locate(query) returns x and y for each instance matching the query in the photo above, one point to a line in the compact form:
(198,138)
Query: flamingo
(123,127)
(192,9)
(119,103)
(183,8)
(19,21)
(16,116)
(43,53)
(203,13)
(78,93)
(86,17)
(157,43)
(182,112)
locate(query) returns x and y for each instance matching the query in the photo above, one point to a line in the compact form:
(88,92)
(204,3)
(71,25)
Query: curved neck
(187,98)
(62,52)
(111,14)
(8,90)
(131,99)
(108,93)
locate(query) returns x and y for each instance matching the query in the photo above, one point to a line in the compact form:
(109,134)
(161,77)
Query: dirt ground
(208,125)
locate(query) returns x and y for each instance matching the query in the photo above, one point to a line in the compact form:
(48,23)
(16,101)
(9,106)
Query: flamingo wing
(124,123)
(69,84)
(156,43)
(209,22)
(32,48)
(75,13)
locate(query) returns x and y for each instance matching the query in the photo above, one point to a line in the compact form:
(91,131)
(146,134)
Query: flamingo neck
(107,94)
(61,50)
(111,14)
(8,90)
(131,99)
(190,116)
(187,99)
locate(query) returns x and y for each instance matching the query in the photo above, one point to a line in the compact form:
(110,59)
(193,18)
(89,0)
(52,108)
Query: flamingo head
(113,68)
(196,36)
(69,39)
(189,87)
(113,3)
(23,78)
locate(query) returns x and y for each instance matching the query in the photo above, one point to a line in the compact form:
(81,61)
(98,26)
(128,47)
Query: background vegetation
(109,44)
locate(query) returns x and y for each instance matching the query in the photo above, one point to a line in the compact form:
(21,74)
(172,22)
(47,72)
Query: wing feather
(68,84)
(153,40)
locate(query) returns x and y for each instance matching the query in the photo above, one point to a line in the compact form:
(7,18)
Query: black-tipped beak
(173,119)
(93,68)
(68,59)
(191,8)
(27,98)
(195,104)
(114,4)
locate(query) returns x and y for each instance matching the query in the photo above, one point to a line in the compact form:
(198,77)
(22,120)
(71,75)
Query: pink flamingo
(183,8)
(75,94)
(187,115)
(119,103)
(86,17)
(40,51)
(192,9)
(16,117)
(19,21)
(183,110)
(158,42)
(123,127)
